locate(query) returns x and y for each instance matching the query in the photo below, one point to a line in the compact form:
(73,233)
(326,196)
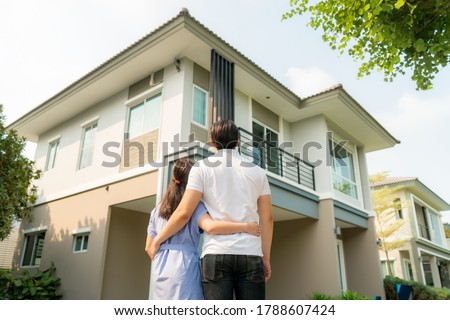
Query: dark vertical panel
(221,88)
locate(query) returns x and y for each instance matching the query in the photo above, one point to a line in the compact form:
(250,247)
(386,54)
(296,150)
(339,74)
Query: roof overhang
(424,193)
(182,36)
(343,112)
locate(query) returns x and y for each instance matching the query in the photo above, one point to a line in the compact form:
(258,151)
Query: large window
(343,169)
(51,155)
(265,143)
(87,146)
(145,116)
(32,252)
(200,107)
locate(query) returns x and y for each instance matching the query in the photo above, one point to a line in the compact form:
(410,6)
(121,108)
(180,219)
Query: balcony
(268,156)
(424,232)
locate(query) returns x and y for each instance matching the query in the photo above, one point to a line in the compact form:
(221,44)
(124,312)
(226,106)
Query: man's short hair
(224,134)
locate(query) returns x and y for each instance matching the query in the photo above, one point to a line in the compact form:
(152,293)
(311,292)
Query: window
(87,146)
(384,268)
(200,106)
(51,155)
(32,252)
(408,270)
(398,208)
(145,116)
(80,242)
(343,169)
(265,142)
(428,274)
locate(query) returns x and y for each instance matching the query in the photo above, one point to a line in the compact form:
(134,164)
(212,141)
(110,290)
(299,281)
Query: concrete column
(304,257)
(362,261)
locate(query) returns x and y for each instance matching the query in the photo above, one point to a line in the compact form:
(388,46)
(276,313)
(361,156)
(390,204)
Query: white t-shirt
(231,186)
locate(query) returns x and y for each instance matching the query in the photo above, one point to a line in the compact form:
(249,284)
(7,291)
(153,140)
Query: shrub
(346,295)
(26,286)
(419,290)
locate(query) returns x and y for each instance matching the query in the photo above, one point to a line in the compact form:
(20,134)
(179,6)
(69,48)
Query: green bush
(346,295)
(41,285)
(419,290)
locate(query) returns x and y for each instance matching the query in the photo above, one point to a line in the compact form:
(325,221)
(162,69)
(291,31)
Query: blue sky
(48,44)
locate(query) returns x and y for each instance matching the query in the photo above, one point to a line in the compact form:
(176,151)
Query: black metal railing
(424,232)
(268,156)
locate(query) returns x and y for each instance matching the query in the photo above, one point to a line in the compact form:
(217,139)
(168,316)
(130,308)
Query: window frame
(48,165)
(85,128)
(268,151)
(205,126)
(139,101)
(398,208)
(27,234)
(84,242)
(83,232)
(334,172)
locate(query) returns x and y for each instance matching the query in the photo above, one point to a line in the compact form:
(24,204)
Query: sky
(48,44)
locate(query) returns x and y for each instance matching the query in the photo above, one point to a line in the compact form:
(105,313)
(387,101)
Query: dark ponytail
(177,186)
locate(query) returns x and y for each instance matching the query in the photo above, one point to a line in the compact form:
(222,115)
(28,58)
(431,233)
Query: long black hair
(177,186)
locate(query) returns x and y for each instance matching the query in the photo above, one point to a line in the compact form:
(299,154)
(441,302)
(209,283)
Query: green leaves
(391,36)
(42,285)
(399,4)
(17,174)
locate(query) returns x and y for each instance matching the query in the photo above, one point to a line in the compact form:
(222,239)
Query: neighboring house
(7,248)
(425,257)
(101,142)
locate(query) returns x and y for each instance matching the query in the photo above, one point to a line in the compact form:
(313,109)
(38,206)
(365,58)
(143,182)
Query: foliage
(447,230)
(386,223)
(419,290)
(42,285)
(346,295)
(386,35)
(17,191)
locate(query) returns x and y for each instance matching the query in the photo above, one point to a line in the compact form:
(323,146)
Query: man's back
(231,186)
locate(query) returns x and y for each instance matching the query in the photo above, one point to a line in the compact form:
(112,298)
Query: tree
(447,230)
(383,198)
(388,35)
(17,174)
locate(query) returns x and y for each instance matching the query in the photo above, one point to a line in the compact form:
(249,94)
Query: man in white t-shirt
(232,189)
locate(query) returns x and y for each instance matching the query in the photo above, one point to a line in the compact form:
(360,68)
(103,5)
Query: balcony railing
(273,159)
(424,232)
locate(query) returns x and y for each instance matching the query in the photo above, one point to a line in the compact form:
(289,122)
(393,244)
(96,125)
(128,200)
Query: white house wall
(305,132)
(110,116)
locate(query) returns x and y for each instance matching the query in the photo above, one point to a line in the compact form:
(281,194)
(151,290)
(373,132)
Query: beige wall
(7,248)
(304,257)
(362,261)
(82,273)
(140,151)
(127,265)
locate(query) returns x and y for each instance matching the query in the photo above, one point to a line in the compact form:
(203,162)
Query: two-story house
(106,143)
(425,255)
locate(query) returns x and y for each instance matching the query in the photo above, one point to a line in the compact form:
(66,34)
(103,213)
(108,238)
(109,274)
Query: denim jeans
(225,276)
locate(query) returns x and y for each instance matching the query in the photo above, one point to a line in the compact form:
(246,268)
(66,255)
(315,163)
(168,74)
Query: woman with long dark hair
(176,266)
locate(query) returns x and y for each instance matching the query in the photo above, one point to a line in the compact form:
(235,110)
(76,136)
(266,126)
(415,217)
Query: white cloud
(415,115)
(309,81)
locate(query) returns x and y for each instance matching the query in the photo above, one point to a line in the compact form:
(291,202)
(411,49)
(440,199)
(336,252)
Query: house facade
(425,255)
(106,144)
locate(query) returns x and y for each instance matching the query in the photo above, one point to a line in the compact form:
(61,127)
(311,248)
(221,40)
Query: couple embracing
(228,198)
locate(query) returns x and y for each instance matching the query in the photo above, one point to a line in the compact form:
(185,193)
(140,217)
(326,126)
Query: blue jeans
(225,276)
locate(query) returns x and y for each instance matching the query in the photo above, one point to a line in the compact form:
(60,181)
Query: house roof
(184,36)
(414,185)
